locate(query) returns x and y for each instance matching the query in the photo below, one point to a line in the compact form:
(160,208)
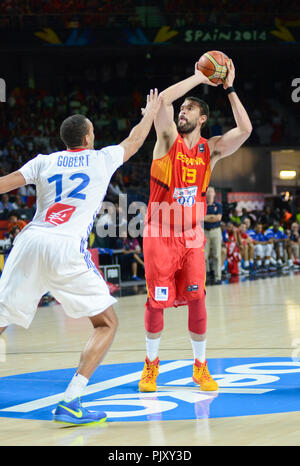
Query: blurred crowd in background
(30,119)
(138,13)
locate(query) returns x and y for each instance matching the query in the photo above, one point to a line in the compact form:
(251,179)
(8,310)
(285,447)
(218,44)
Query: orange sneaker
(149,376)
(202,377)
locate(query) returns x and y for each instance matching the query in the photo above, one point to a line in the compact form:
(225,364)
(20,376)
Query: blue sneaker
(74,413)
(136,278)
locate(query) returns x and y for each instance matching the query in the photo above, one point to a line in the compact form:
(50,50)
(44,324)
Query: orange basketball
(213,65)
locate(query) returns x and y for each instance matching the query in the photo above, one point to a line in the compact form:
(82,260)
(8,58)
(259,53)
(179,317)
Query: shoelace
(206,374)
(203,372)
(149,373)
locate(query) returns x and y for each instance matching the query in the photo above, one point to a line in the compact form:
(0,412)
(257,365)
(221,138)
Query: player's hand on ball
(228,82)
(203,79)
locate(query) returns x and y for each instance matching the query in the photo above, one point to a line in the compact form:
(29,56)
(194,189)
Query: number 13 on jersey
(189,175)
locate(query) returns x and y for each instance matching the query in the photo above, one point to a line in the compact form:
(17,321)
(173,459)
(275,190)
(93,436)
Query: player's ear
(203,119)
(85,141)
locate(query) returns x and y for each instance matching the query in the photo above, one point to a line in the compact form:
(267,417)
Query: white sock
(75,387)
(199,350)
(246,263)
(290,262)
(267,262)
(258,263)
(152,347)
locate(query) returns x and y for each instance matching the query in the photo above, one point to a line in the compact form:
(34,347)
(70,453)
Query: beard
(186,127)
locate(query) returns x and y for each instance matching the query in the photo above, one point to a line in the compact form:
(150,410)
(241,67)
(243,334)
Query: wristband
(229,90)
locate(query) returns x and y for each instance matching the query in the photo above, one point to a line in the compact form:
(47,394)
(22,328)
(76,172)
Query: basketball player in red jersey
(180,174)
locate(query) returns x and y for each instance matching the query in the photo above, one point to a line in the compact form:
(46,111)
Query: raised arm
(164,123)
(12,181)
(139,133)
(228,143)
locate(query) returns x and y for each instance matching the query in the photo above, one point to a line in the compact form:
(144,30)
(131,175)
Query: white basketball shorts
(40,262)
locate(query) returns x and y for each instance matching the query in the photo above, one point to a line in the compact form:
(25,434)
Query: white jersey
(70,186)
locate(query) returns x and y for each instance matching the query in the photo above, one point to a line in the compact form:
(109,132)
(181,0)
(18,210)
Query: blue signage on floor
(247,386)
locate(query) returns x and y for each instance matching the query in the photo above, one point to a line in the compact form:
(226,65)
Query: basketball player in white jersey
(50,254)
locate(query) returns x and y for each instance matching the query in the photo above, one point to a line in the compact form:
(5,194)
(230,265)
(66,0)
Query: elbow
(248,130)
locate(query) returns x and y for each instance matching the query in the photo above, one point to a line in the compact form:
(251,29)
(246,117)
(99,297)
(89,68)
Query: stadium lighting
(287,174)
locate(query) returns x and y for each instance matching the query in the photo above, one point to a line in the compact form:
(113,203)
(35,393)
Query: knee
(154,318)
(107,318)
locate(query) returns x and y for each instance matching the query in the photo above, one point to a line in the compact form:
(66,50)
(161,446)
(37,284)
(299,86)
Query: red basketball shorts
(175,274)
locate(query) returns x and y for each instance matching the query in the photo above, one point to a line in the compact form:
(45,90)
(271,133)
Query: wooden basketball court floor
(259,318)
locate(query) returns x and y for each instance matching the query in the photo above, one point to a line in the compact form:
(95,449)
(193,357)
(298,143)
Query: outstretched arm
(12,181)
(164,123)
(139,133)
(228,143)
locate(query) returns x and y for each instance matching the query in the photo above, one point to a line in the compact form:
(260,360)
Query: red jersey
(178,184)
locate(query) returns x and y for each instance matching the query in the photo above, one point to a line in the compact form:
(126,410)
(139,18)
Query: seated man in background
(233,251)
(246,246)
(234,217)
(259,241)
(279,239)
(249,228)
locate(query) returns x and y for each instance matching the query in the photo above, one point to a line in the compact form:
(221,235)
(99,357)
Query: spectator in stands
(132,256)
(246,246)
(234,217)
(294,243)
(18,203)
(15,221)
(266,218)
(5,207)
(26,191)
(213,234)
(259,241)
(247,222)
(243,215)
(233,251)
(276,235)
(7,243)
(286,218)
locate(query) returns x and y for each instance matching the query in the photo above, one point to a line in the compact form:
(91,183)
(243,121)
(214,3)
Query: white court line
(97,387)
(241,391)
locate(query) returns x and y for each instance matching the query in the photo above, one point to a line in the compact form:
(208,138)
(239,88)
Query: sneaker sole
(65,420)
(205,389)
(145,390)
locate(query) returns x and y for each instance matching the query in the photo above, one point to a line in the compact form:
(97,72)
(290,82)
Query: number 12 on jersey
(76,193)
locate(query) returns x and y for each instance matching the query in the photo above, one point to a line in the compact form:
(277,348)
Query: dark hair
(14,229)
(73,129)
(204,108)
